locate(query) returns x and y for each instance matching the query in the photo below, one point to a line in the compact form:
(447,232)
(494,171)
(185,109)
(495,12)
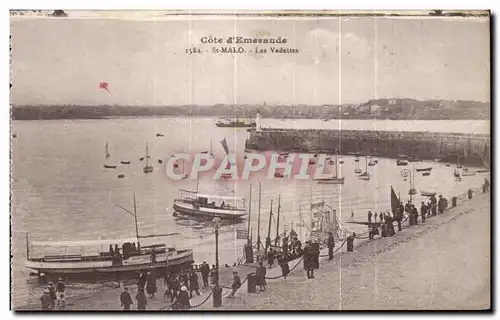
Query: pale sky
(62,61)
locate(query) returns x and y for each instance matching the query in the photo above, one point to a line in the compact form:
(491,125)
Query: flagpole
(249,215)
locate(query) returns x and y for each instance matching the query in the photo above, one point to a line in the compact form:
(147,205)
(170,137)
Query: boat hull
(331,181)
(235,125)
(208,213)
(133,264)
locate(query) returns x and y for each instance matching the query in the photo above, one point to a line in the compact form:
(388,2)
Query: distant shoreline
(381,109)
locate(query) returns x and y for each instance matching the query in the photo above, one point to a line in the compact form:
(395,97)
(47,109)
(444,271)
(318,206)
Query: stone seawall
(390,144)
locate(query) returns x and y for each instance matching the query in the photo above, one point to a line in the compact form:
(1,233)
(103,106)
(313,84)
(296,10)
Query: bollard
(469,194)
(217,296)
(350,244)
(252,282)
(453,202)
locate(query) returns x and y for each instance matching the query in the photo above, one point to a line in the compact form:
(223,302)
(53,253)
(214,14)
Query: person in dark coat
(389,225)
(193,284)
(176,287)
(46,300)
(331,245)
(285,247)
(415,215)
(142,300)
(270,258)
(151,287)
(125,299)
(141,283)
(261,276)
(308,260)
(235,285)
(423,211)
(433,205)
(205,271)
(53,295)
(441,204)
(183,299)
(214,274)
(60,286)
(167,283)
(285,268)
(369,216)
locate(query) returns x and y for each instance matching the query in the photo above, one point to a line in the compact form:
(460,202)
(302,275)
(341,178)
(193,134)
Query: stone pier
(391,144)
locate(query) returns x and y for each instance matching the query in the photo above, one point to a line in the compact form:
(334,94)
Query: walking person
(261,276)
(423,211)
(205,271)
(53,296)
(415,215)
(369,216)
(441,204)
(125,299)
(331,245)
(193,284)
(285,268)
(308,260)
(141,282)
(60,286)
(270,258)
(235,285)
(142,300)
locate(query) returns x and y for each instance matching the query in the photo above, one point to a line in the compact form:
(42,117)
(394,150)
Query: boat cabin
(90,250)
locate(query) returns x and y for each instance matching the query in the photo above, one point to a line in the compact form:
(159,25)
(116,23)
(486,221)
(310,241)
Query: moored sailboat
(107,155)
(147,168)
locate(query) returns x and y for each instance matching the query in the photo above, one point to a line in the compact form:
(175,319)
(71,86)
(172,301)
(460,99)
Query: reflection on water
(60,190)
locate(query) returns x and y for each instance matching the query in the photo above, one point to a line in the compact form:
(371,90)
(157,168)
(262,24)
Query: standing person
(285,268)
(176,287)
(167,285)
(308,257)
(423,211)
(125,299)
(46,300)
(441,204)
(261,276)
(433,205)
(53,296)
(331,245)
(141,282)
(399,218)
(193,284)
(415,215)
(142,300)
(213,275)
(381,217)
(61,302)
(183,299)
(60,286)
(375,216)
(352,214)
(285,247)
(270,258)
(205,271)
(151,287)
(369,216)
(235,285)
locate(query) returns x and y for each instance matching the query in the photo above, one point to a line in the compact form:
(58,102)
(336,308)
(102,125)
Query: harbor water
(61,191)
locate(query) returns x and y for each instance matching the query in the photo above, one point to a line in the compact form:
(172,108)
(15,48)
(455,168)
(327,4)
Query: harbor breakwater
(470,149)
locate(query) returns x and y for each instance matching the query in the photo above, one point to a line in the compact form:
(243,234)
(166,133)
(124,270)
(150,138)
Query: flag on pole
(394,202)
(224,145)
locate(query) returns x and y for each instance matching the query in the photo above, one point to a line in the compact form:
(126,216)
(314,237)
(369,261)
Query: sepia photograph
(196,160)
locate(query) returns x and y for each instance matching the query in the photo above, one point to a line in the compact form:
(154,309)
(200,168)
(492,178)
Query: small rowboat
(426,173)
(423,169)
(427,194)
(125,162)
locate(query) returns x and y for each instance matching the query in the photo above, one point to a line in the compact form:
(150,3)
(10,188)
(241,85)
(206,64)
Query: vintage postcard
(250,160)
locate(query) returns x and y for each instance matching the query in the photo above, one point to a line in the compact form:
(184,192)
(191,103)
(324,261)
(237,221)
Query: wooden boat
(227,123)
(334,178)
(357,170)
(341,160)
(84,257)
(192,203)
(14,135)
(109,166)
(160,161)
(426,173)
(121,175)
(365,175)
(468,173)
(141,158)
(125,162)
(147,168)
(482,170)
(400,162)
(427,194)
(159,135)
(423,169)
(412,191)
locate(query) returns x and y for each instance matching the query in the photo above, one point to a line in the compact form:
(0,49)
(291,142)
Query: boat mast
(211,148)
(249,215)
(147,154)
(278,221)
(136,228)
(258,219)
(268,239)
(27,247)
(366,164)
(336,167)
(107,150)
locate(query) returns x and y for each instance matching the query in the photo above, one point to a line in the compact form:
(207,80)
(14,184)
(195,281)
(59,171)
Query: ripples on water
(60,190)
